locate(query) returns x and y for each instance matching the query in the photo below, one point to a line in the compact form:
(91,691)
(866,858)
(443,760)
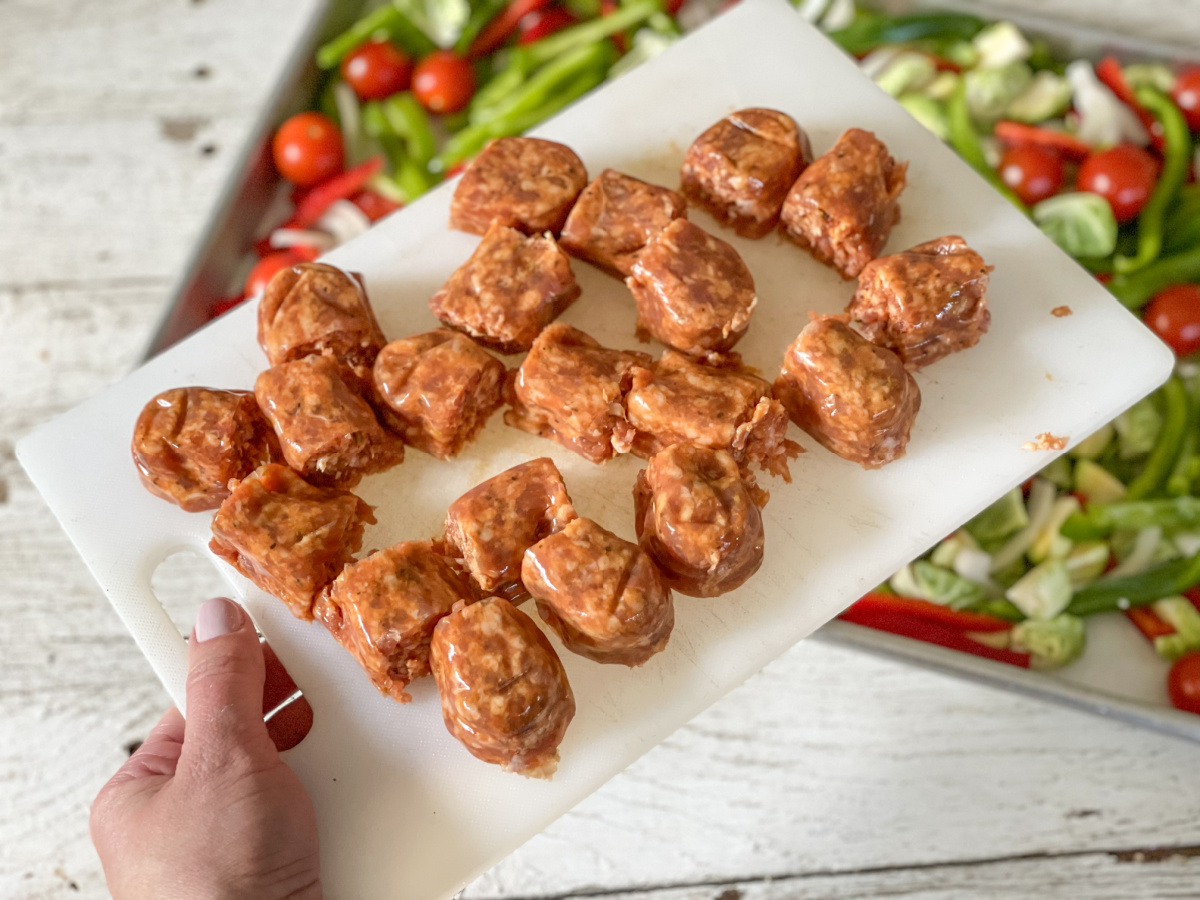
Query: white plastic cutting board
(404,811)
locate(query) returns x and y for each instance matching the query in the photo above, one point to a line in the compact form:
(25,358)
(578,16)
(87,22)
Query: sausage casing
(504,691)
(189,443)
(525,183)
(924,303)
(740,169)
(843,206)
(614,217)
(437,390)
(697,516)
(287,536)
(572,390)
(492,525)
(857,399)
(383,609)
(602,595)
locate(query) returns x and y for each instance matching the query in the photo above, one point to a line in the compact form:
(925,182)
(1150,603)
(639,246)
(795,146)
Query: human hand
(205,809)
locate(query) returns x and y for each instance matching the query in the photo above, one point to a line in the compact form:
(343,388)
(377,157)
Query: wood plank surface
(831,774)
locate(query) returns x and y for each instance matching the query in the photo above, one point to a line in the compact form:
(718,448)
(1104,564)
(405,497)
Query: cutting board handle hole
(184,580)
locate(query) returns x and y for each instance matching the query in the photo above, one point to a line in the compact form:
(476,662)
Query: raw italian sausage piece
(572,390)
(287,536)
(504,691)
(524,183)
(508,291)
(492,525)
(857,399)
(315,308)
(843,206)
(328,432)
(437,390)
(603,595)
(924,303)
(383,610)
(189,442)
(615,216)
(697,516)
(740,170)
(727,408)
(693,291)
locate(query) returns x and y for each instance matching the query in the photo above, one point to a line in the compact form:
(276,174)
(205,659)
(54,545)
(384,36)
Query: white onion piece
(1041,504)
(1142,557)
(282,238)
(344,221)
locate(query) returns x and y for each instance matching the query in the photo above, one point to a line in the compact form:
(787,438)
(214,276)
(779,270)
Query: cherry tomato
(1034,173)
(443,82)
(1123,175)
(308,149)
(1174,315)
(542,23)
(376,70)
(1186,93)
(1183,683)
(266,269)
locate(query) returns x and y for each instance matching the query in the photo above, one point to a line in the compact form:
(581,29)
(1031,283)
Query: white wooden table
(830,775)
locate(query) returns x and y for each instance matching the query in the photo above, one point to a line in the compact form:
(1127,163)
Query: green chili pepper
(1102,519)
(869,30)
(1177,159)
(965,141)
(384,22)
(410,176)
(501,85)
(1179,482)
(627,16)
(545,82)
(1166,449)
(1000,608)
(408,121)
(1109,594)
(480,16)
(1135,289)
(1181,230)
(411,39)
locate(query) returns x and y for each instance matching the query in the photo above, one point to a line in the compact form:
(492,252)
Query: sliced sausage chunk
(492,525)
(740,170)
(189,442)
(508,291)
(693,291)
(727,408)
(437,390)
(857,399)
(603,595)
(505,694)
(572,390)
(382,609)
(287,536)
(524,183)
(614,217)
(843,206)
(697,516)
(328,432)
(315,308)
(924,303)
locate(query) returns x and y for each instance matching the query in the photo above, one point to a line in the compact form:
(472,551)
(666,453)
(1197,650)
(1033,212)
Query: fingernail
(218,616)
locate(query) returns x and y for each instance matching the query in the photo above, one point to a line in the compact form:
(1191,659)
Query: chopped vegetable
(1103,119)
(1109,594)
(339,187)
(870,30)
(1044,591)
(1142,556)
(1000,45)
(934,612)
(923,580)
(1049,541)
(966,142)
(1138,428)
(1134,290)
(1102,519)
(1158,464)
(1041,506)
(1086,562)
(1177,151)
(1094,444)
(1096,484)
(928,112)
(1018,134)
(1050,643)
(386,22)
(1048,96)
(990,91)
(907,71)
(931,632)
(1081,223)
(1000,520)
(1184,619)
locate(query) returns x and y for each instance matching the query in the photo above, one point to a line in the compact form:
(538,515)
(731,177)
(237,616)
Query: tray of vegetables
(1083,586)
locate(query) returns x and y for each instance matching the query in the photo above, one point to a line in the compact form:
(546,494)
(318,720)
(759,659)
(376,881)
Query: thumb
(224,725)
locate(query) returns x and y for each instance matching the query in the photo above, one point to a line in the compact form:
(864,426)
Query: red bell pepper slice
(342,186)
(923,609)
(374,205)
(1149,623)
(931,633)
(1108,71)
(1018,134)
(501,28)
(1193,594)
